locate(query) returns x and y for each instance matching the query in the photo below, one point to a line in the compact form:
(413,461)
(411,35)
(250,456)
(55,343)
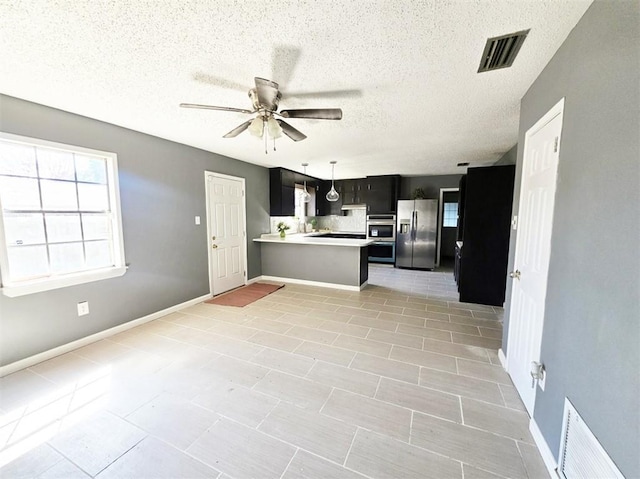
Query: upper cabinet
(379,193)
(354,191)
(324,207)
(282,191)
(382,194)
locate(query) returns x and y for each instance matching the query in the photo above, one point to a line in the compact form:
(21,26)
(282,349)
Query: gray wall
(430,184)
(591,336)
(162,189)
(509,158)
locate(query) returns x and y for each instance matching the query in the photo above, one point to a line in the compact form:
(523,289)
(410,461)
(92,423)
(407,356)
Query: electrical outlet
(83,308)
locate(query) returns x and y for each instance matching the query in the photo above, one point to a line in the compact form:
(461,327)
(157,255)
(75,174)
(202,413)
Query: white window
(450,218)
(60,221)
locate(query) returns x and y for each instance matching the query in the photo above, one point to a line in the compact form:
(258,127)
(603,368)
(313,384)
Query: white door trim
(441,219)
(555,111)
(208,174)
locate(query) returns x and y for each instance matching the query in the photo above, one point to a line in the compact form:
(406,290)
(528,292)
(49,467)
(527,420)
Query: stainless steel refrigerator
(416,234)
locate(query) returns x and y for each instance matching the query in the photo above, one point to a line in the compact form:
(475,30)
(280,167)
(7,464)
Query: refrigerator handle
(414,224)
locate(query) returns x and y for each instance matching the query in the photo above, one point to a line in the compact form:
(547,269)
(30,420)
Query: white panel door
(533,244)
(226,232)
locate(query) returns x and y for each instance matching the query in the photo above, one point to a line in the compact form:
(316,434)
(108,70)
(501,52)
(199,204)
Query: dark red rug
(240,297)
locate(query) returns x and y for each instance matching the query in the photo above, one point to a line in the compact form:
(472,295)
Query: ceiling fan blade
(219,81)
(212,107)
(314,113)
(349,93)
(290,131)
(268,94)
(239,129)
(283,62)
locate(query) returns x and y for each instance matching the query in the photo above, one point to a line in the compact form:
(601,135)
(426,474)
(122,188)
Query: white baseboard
(502,358)
(543,447)
(312,283)
(65,348)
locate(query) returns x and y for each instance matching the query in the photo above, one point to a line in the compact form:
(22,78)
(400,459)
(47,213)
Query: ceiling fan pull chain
(266,138)
(274,144)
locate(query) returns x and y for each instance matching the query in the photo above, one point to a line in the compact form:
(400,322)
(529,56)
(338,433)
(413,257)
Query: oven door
(381,231)
(382,252)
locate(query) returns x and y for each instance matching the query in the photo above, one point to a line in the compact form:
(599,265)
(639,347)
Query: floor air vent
(581,455)
(499,52)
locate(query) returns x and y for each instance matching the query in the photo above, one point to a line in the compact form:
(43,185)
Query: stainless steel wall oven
(381,227)
(382,230)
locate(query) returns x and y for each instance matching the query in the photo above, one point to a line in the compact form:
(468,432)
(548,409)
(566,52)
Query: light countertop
(308,238)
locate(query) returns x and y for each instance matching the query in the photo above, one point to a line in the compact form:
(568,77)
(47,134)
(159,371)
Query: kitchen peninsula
(317,259)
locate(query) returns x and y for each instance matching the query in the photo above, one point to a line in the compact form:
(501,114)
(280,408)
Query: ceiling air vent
(499,52)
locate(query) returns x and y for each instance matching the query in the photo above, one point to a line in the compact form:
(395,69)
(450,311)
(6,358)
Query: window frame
(19,288)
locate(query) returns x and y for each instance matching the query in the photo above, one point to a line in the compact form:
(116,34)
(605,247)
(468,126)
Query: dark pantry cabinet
(487,193)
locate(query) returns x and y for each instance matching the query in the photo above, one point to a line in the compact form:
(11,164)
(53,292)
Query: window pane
(17,159)
(93,197)
(27,262)
(96,226)
(23,228)
(66,257)
(61,227)
(19,193)
(55,164)
(91,169)
(99,254)
(58,195)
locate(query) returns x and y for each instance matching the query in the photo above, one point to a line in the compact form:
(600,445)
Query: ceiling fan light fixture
(274,129)
(332,195)
(256,127)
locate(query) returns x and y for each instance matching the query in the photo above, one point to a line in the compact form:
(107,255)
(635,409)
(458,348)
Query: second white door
(533,247)
(226,228)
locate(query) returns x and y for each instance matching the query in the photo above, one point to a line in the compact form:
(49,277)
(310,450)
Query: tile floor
(397,381)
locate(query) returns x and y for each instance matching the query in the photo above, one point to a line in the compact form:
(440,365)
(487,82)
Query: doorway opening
(447,227)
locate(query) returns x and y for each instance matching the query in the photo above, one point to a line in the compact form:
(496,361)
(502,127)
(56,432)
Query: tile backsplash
(354,220)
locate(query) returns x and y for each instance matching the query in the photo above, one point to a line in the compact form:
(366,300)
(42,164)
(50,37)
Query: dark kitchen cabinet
(282,190)
(324,207)
(382,194)
(354,191)
(461,199)
(486,226)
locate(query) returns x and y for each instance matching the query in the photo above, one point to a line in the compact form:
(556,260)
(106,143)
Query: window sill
(22,289)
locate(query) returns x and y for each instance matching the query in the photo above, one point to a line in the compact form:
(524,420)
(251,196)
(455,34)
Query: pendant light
(333,194)
(306,197)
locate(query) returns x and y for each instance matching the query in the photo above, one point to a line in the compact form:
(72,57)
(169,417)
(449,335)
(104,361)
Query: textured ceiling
(403,72)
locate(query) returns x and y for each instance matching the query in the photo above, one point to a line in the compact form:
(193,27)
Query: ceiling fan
(265,98)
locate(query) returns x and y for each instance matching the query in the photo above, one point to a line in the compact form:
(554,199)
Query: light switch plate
(197,220)
(514,222)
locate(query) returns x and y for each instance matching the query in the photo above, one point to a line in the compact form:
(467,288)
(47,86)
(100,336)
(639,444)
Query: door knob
(515,274)
(213,238)
(214,246)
